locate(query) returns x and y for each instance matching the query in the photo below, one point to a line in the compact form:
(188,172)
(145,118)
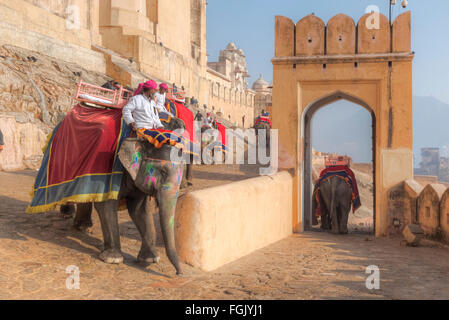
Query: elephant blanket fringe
(342,172)
(80,162)
(263,120)
(159,137)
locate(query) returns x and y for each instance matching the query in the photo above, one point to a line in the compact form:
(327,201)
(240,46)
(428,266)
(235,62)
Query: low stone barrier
(218,225)
(444,215)
(425,205)
(429,208)
(402,206)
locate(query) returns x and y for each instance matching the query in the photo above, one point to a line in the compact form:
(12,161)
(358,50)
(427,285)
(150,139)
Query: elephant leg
(334,216)
(188,176)
(139,211)
(67,210)
(107,211)
(189,172)
(344,214)
(314,219)
(167,198)
(329,198)
(325,223)
(83,217)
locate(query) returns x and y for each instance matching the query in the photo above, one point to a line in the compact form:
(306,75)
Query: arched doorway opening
(365,221)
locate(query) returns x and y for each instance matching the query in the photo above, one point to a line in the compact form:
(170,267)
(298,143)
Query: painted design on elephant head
(150,179)
(167,186)
(135,162)
(179,176)
(172,221)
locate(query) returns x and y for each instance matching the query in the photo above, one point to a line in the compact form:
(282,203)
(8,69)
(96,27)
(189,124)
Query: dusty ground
(36,250)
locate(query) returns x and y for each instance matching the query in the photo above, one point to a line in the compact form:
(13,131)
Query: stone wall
(128,41)
(411,203)
(218,225)
(35,95)
(23,144)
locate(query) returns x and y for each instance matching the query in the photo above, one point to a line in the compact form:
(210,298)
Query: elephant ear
(130,155)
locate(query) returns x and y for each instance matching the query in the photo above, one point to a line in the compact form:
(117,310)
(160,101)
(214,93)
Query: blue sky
(250,24)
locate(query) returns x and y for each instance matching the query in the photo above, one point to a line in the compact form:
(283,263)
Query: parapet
(341,36)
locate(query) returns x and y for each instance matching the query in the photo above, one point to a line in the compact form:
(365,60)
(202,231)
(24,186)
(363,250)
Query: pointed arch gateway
(317,64)
(308,114)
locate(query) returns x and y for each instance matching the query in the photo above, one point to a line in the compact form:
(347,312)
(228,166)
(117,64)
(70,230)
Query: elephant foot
(66,211)
(344,231)
(83,226)
(148,257)
(335,231)
(111,256)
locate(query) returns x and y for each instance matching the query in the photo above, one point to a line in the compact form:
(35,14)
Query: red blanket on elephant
(263,120)
(180,111)
(80,162)
(342,172)
(222,129)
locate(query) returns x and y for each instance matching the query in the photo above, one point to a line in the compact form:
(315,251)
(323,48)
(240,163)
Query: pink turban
(163,86)
(150,84)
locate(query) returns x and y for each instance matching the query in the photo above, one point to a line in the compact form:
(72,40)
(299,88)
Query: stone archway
(315,64)
(308,114)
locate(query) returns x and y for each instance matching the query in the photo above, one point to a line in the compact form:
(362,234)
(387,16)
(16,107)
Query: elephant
(335,205)
(209,141)
(149,174)
(266,127)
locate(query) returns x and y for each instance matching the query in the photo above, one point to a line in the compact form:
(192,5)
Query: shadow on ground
(51,227)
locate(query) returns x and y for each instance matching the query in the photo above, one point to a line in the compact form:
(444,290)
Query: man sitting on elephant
(140,112)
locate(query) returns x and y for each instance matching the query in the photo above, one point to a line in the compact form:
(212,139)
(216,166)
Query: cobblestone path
(35,251)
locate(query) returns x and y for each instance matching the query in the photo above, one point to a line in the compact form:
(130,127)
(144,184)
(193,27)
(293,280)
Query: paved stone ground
(35,251)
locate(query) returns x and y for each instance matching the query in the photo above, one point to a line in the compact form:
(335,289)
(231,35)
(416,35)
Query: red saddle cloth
(344,173)
(264,120)
(183,113)
(86,143)
(222,129)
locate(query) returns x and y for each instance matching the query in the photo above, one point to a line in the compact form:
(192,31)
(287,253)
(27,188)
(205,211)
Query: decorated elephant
(149,172)
(259,127)
(335,204)
(210,143)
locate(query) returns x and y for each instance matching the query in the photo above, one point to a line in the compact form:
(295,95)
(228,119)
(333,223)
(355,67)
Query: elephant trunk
(168,233)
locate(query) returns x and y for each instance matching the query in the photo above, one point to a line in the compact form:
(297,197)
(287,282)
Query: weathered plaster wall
(411,203)
(35,28)
(20,152)
(429,208)
(369,73)
(444,214)
(218,225)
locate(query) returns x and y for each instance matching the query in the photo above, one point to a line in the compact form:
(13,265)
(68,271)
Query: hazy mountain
(430,126)
(345,128)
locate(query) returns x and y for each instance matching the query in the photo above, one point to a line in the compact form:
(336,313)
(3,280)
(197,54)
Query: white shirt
(160,102)
(143,112)
(207,121)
